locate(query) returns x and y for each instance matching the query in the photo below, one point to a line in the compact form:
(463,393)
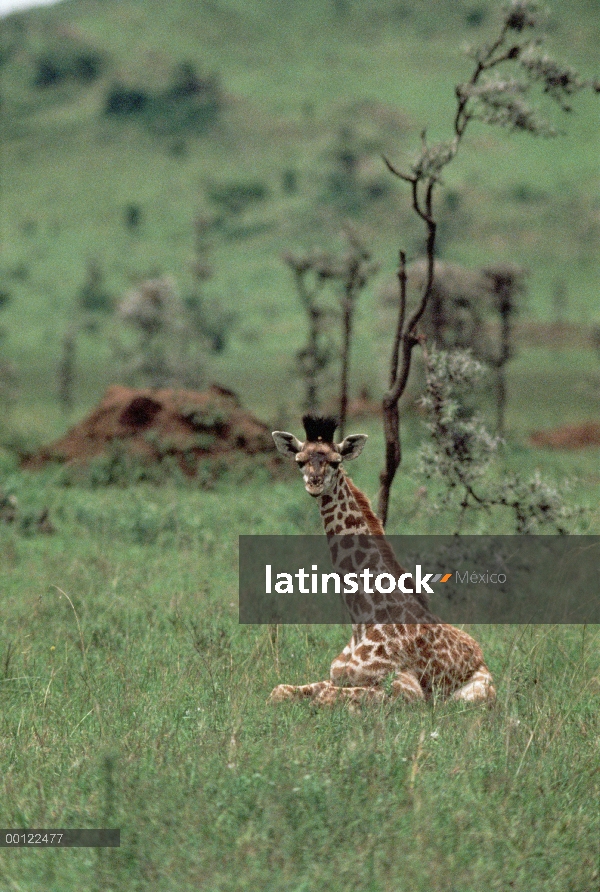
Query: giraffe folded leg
(326,694)
(335,694)
(406,685)
(478,689)
(298,692)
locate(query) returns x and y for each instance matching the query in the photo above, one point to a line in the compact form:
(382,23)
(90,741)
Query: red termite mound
(569,436)
(150,426)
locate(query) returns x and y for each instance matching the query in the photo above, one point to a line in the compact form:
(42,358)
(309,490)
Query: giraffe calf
(425,656)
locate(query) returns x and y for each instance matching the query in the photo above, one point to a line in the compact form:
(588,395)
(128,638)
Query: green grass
(131,697)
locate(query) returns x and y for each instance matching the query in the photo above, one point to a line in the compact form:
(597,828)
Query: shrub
(124,101)
(48,73)
(236,197)
(461,451)
(476,16)
(92,294)
(289,181)
(86,67)
(189,104)
(52,69)
(210,321)
(133,216)
(186,83)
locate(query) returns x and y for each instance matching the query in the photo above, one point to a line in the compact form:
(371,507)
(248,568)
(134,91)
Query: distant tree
(124,101)
(507,284)
(353,274)
(8,375)
(209,320)
(190,104)
(93,296)
(132,216)
(311,271)
(504,72)
(161,355)
(470,309)
(348,274)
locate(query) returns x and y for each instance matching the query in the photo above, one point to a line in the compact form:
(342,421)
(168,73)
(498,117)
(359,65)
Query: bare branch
(396,172)
(401,317)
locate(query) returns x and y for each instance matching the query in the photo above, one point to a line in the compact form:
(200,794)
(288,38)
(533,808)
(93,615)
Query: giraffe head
(318,457)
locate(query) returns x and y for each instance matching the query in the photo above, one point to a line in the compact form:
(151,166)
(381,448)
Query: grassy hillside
(295,87)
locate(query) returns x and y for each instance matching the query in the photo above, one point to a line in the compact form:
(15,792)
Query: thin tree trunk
(347,334)
(351,287)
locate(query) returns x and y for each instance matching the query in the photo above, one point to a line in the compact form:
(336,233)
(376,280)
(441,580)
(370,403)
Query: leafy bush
(476,16)
(461,450)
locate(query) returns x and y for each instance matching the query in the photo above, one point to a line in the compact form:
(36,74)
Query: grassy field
(130,696)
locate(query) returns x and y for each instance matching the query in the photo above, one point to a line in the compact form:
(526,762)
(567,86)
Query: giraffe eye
(335,464)
(300,464)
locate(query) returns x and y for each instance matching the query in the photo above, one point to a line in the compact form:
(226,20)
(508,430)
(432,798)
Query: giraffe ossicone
(421,655)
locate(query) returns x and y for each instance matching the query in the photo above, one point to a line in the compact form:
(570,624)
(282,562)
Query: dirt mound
(151,426)
(569,436)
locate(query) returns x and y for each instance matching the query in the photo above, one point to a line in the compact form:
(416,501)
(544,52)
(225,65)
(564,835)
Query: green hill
(125,122)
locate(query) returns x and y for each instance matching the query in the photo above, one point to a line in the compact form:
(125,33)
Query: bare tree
(310,272)
(353,272)
(507,283)
(66,368)
(348,274)
(209,320)
(8,374)
(490,97)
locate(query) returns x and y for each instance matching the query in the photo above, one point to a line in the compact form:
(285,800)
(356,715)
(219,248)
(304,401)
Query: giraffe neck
(346,511)
(341,512)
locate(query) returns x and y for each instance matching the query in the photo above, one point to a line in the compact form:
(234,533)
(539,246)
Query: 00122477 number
(32,838)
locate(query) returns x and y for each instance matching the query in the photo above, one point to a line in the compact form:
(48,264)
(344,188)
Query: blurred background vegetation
(202,140)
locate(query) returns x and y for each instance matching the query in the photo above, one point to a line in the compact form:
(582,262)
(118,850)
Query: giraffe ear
(352,446)
(286,443)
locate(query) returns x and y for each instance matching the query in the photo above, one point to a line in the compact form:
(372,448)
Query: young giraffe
(424,654)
